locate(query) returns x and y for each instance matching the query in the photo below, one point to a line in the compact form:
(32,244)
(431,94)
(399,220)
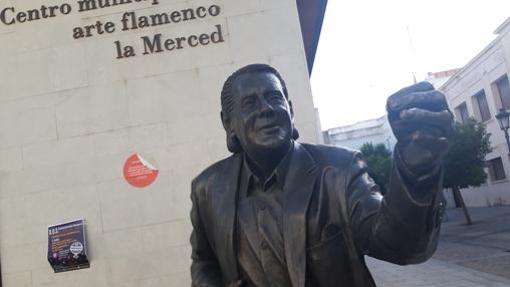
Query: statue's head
(255,110)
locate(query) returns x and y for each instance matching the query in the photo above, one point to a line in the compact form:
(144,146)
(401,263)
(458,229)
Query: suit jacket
(323,245)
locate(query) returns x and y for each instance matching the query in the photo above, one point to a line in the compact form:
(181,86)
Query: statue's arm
(403,226)
(205,270)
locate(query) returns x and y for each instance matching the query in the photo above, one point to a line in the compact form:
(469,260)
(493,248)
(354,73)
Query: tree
(464,163)
(378,159)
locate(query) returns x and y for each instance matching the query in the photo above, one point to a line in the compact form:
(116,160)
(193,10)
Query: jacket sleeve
(403,226)
(205,271)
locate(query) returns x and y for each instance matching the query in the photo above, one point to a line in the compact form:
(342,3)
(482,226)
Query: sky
(370,49)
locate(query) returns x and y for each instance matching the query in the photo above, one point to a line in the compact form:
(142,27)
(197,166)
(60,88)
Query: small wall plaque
(67,248)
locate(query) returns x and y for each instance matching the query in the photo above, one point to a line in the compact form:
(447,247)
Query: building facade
(375,131)
(86,85)
(479,90)
(437,79)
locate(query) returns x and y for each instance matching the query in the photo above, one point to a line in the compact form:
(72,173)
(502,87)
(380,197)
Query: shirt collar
(278,174)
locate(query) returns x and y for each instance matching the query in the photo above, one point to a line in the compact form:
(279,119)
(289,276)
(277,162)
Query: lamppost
(504,123)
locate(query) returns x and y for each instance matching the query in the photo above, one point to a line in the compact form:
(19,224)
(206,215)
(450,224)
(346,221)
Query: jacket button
(263,245)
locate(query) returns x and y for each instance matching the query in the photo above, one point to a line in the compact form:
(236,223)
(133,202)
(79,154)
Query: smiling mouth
(269,127)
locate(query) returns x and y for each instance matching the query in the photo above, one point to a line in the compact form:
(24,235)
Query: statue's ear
(295,133)
(225,120)
(233,144)
(291,110)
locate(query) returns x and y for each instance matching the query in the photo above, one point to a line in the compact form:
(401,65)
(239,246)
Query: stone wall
(72,112)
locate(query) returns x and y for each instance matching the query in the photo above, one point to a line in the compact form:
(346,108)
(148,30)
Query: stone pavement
(467,256)
(483,246)
(433,273)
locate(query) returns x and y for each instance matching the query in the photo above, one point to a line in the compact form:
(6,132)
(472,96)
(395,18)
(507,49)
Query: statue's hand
(422,123)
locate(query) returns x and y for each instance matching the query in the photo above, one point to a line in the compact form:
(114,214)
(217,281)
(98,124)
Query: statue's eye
(275,98)
(249,101)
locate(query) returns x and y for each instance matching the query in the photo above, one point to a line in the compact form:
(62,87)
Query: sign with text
(129,20)
(67,249)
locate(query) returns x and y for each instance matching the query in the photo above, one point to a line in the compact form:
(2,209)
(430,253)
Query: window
(483,107)
(462,113)
(503,88)
(496,169)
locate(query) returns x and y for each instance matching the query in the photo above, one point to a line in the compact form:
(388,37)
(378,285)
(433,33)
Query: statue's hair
(227,101)
(227,97)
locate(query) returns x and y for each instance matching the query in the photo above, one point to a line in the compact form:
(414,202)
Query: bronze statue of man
(282,213)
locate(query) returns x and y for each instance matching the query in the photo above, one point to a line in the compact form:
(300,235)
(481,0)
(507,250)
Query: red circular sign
(139,172)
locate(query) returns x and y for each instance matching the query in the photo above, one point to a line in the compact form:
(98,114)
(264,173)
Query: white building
(437,79)
(85,89)
(375,131)
(479,90)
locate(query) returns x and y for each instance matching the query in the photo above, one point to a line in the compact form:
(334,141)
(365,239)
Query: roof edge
(311,17)
(502,26)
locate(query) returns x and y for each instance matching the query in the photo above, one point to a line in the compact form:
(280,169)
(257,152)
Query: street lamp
(504,123)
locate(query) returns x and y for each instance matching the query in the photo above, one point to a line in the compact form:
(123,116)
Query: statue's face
(261,117)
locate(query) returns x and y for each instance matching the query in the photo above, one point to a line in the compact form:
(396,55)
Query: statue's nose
(265,106)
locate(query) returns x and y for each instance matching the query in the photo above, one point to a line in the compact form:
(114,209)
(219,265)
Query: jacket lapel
(299,185)
(226,189)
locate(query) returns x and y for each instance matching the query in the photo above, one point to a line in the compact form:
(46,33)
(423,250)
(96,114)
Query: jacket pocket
(331,246)
(328,262)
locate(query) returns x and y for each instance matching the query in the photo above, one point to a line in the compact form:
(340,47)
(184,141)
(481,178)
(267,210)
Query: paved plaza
(433,273)
(467,256)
